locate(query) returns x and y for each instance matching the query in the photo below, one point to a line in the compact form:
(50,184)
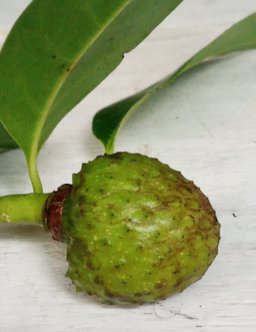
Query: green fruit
(136,230)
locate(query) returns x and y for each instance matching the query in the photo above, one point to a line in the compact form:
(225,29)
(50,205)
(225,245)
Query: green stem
(23,209)
(34,175)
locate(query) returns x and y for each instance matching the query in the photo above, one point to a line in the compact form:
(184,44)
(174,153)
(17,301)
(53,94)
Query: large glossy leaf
(240,37)
(57,52)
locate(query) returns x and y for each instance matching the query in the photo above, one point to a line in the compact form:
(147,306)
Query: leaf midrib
(39,128)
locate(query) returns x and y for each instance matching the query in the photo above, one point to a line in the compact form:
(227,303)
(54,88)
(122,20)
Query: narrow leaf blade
(239,37)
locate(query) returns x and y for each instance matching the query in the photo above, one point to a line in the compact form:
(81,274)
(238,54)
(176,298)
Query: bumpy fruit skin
(137,230)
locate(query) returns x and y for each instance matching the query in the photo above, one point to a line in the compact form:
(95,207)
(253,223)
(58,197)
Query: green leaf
(6,142)
(107,122)
(57,52)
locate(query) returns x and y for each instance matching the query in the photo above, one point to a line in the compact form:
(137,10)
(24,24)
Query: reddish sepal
(54,210)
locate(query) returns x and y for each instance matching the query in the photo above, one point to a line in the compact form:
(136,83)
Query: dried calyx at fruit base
(136,230)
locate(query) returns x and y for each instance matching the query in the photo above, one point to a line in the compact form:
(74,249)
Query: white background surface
(204,125)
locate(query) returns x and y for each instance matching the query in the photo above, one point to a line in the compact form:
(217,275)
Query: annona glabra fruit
(136,230)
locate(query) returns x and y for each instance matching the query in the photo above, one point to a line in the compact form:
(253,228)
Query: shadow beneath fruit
(21,232)
(33,244)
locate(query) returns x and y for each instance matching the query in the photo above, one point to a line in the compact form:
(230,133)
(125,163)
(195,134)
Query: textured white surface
(204,125)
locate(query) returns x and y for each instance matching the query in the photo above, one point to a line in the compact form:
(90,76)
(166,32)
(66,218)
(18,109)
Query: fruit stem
(23,209)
